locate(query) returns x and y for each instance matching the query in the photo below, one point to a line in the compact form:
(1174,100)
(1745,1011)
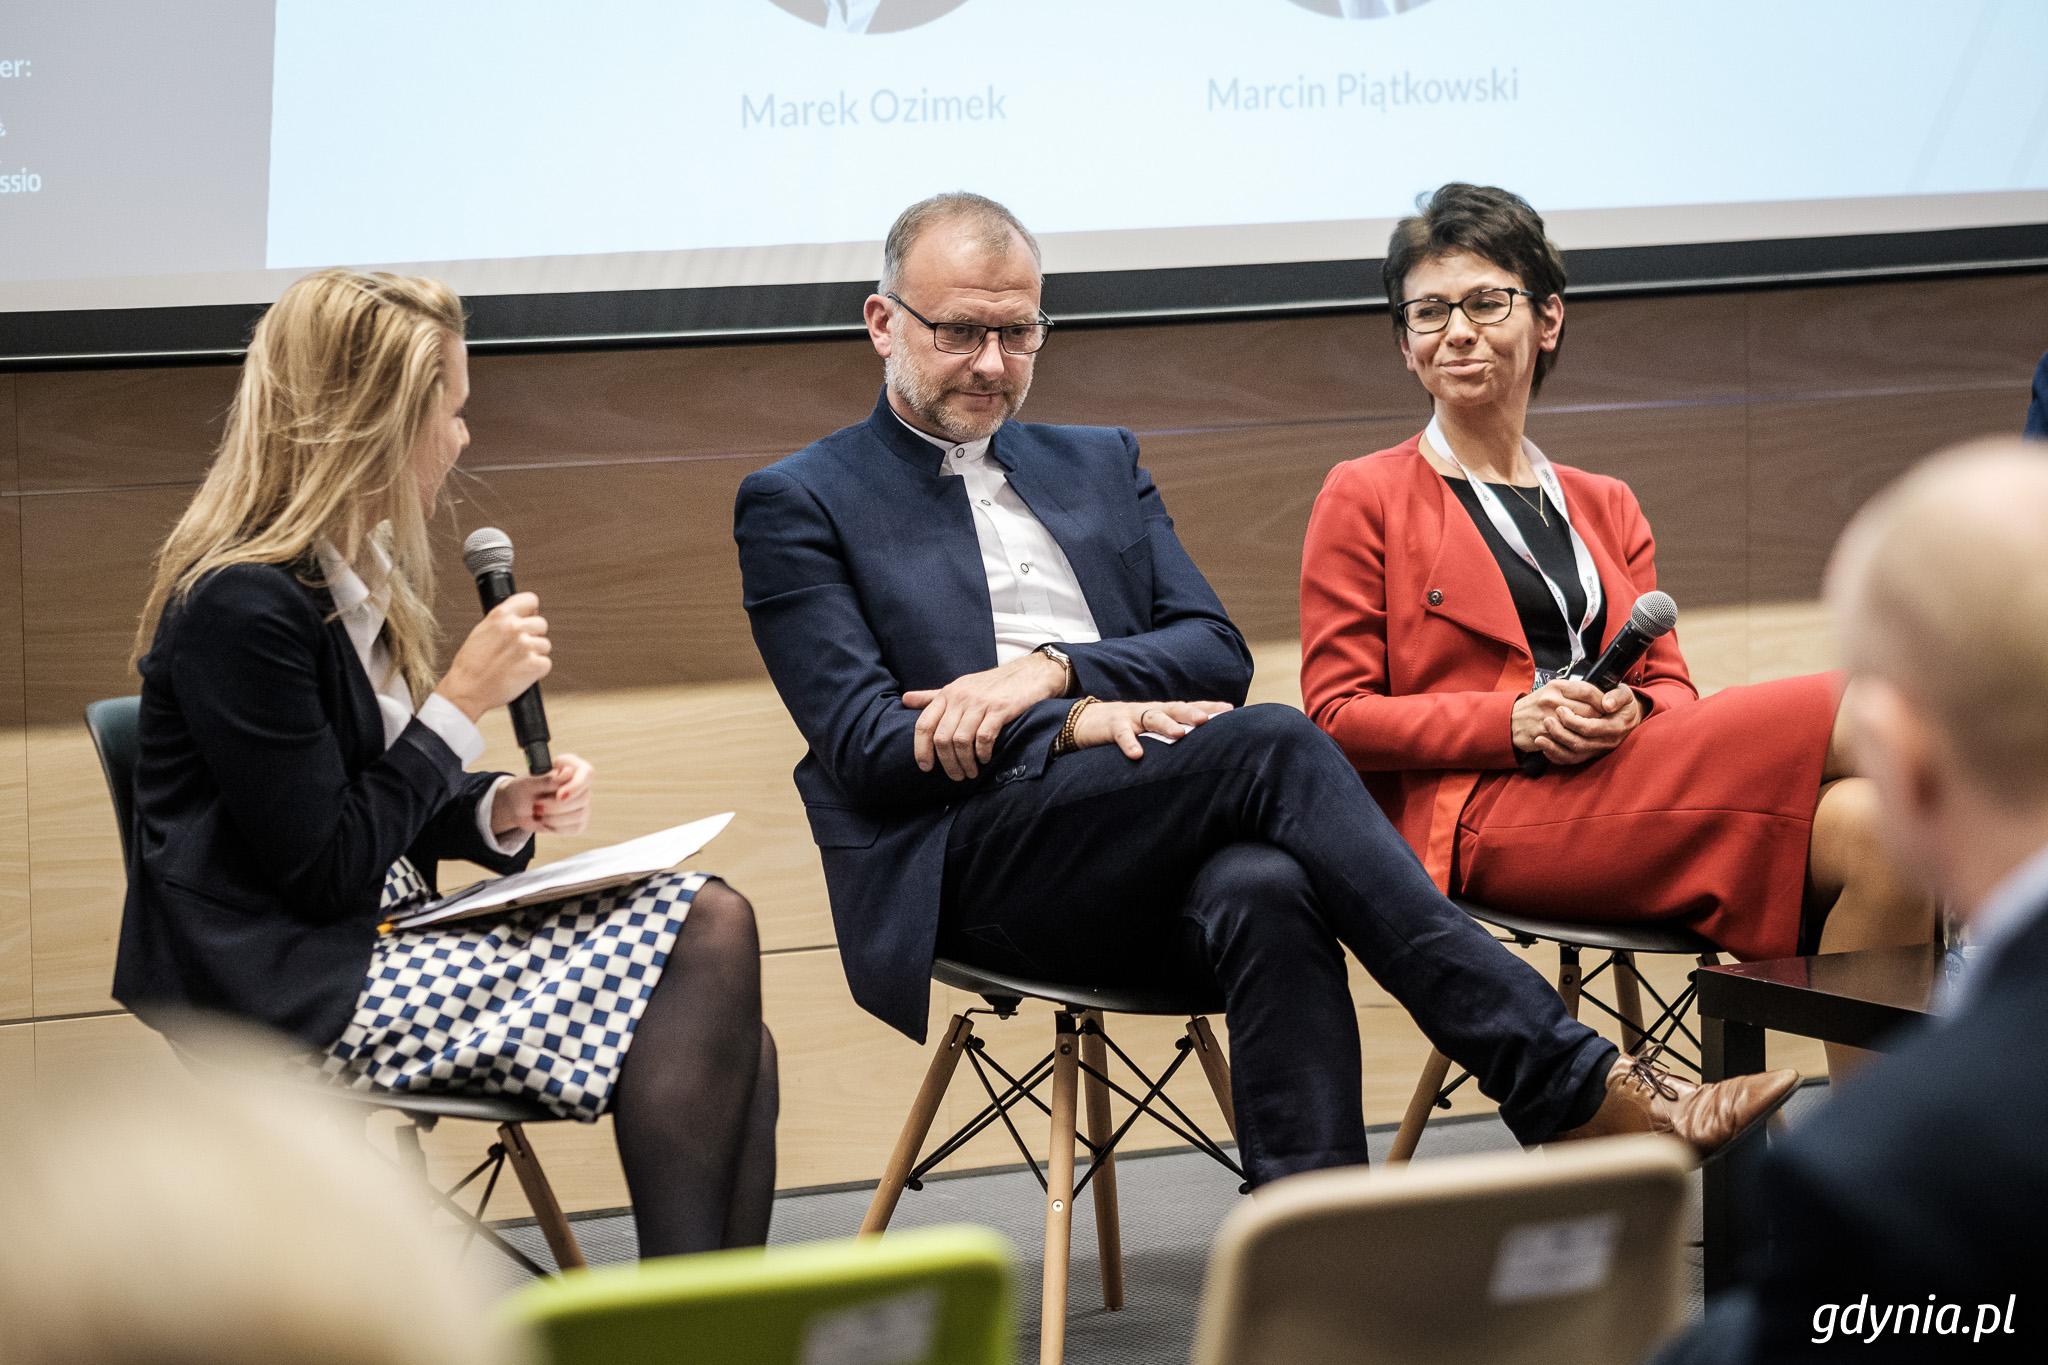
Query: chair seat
(1152,998)
(483,1108)
(1615,938)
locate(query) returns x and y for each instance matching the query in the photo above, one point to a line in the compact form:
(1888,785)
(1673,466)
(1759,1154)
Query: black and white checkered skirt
(540,1003)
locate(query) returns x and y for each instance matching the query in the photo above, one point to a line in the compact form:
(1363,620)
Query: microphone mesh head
(1654,614)
(489,550)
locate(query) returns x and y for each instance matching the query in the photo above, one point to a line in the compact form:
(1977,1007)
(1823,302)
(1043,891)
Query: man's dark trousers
(1250,849)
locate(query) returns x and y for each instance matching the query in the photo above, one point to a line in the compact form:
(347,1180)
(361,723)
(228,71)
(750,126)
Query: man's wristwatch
(1059,656)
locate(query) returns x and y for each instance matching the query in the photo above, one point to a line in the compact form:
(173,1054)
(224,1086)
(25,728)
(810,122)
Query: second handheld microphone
(487,554)
(1654,615)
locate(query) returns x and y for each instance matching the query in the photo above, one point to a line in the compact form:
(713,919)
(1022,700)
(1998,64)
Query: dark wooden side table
(1855,998)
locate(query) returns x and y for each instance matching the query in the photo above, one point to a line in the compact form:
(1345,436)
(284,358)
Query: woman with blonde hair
(301,773)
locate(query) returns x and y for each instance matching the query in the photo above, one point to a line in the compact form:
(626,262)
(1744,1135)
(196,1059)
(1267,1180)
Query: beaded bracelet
(1065,743)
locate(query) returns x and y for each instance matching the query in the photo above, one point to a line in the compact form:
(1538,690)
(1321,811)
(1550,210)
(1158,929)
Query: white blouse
(362,614)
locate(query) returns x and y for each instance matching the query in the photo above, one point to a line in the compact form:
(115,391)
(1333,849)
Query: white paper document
(588,871)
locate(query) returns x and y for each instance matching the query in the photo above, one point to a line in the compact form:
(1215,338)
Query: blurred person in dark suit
(1922,1188)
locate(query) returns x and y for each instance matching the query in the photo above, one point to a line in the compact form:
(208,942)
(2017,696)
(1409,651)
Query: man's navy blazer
(864,580)
(267,810)
(1926,1179)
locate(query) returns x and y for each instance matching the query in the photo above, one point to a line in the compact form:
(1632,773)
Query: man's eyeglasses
(1484,307)
(967,338)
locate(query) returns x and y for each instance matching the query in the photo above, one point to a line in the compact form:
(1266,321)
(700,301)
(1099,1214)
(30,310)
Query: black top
(267,809)
(1551,543)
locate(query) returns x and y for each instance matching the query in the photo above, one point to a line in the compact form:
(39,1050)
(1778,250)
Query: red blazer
(1412,654)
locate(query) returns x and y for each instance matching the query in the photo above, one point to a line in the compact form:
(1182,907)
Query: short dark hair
(991,223)
(1493,224)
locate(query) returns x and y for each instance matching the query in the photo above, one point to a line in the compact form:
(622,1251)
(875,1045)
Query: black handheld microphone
(1654,615)
(487,554)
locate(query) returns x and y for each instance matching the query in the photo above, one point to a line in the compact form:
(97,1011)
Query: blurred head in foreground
(185,1221)
(1939,591)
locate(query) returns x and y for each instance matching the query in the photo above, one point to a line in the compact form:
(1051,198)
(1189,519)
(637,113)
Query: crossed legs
(695,1106)
(1115,862)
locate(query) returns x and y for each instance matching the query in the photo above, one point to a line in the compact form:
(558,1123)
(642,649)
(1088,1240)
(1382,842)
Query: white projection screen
(609,169)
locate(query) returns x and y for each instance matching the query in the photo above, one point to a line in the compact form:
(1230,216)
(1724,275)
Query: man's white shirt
(1032,589)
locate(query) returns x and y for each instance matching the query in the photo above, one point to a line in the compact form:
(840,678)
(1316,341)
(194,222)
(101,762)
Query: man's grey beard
(923,396)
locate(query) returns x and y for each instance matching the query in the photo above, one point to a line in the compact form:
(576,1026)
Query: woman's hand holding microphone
(506,653)
(1568,720)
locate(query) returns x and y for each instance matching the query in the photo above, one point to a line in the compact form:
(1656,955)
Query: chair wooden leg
(1109,1241)
(541,1198)
(923,1110)
(1216,1067)
(1628,997)
(1059,1192)
(1568,978)
(1434,1069)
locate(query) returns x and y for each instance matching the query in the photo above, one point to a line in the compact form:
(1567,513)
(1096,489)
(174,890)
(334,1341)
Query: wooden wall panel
(114,428)
(1716,644)
(1660,351)
(18,1075)
(1814,463)
(9,470)
(76,882)
(595,406)
(85,566)
(17,980)
(847,1078)
(111,1052)
(634,563)
(666,755)
(1188,376)
(1240,499)
(16,991)
(1688,467)
(1915,335)
(1787,639)
(12,705)
(85,570)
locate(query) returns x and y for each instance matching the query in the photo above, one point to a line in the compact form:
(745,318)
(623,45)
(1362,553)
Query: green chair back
(936,1296)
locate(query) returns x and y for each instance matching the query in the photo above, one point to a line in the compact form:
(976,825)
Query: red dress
(1412,659)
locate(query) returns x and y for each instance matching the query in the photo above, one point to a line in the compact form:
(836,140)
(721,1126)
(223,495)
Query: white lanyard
(1546,479)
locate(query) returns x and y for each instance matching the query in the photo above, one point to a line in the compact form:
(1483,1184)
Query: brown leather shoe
(1643,1097)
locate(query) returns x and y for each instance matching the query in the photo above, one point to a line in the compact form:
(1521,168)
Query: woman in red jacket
(1447,581)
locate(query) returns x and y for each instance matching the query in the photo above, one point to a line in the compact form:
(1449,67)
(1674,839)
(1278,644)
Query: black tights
(695,1107)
